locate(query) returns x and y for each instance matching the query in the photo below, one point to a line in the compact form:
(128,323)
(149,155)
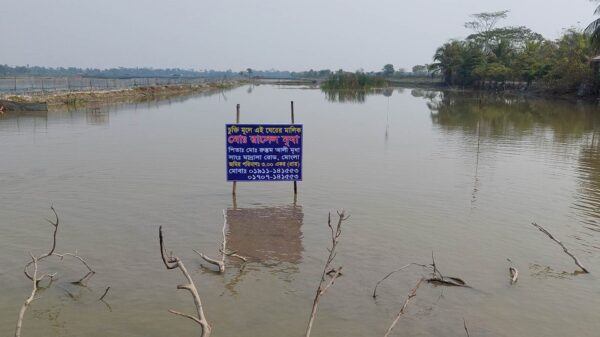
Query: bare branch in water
(439,279)
(224,252)
(543,230)
(35,280)
(323,284)
(394,272)
(412,294)
(172,262)
(52,252)
(104,295)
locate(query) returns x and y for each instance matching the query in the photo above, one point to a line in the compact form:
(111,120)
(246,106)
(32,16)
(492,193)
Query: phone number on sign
(273,171)
(274,177)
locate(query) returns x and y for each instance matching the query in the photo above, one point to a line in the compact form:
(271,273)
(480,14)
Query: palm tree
(447,60)
(593,30)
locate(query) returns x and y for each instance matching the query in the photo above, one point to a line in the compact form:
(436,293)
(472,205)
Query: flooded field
(418,171)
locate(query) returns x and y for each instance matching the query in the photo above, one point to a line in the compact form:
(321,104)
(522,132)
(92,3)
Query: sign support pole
(295,183)
(237,121)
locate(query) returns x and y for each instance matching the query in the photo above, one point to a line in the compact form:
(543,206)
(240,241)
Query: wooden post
(237,121)
(295,183)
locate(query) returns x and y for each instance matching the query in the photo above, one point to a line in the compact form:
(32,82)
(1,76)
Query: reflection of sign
(267,233)
(264,152)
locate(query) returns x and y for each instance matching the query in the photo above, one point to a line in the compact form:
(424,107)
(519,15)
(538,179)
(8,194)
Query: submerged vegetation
(517,57)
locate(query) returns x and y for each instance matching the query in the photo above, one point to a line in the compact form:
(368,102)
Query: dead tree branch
(34,276)
(223,250)
(465,326)
(31,298)
(55,223)
(412,294)
(394,272)
(543,230)
(323,285)
(172,262)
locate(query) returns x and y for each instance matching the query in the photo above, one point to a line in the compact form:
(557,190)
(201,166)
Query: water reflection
(510,115)
(268,235)
(429,94)
(355,96)
(560,129)
(588,201)
(345,96)
(97,114)
(18,120)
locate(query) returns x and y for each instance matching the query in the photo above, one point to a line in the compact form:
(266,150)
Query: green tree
(570,65)
(448,61)
(388,70)
(420,70)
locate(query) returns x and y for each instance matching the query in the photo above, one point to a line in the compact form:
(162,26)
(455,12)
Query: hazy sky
(237,34)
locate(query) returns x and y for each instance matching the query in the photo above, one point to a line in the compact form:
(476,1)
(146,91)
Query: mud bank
(94,98)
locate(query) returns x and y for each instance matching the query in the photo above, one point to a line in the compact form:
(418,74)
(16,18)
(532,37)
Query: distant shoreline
(52,101)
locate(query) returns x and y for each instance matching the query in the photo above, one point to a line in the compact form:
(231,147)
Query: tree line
(519,56)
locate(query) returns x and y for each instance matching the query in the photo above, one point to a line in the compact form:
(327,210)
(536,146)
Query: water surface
(419,171)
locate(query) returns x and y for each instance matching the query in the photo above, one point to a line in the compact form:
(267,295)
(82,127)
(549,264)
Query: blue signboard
(264,152)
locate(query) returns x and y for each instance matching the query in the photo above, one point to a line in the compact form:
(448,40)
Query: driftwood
(83,281)
(333,273)
(514,275)
(543,230)
(466,329)
(412,294)
(439,279)
(172,262)
(224,252)
(436,276)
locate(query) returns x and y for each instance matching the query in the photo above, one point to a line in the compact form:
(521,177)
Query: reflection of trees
(490,119)
(588,171)
(500,115)
(429,94)
(345,96)
(355,96)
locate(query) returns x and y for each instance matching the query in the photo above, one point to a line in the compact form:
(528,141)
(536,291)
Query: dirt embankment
(138,94)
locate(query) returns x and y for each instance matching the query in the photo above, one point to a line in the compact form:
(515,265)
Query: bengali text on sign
(264,152)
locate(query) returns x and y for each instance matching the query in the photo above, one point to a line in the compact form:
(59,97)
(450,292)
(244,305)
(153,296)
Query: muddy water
(418,171)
